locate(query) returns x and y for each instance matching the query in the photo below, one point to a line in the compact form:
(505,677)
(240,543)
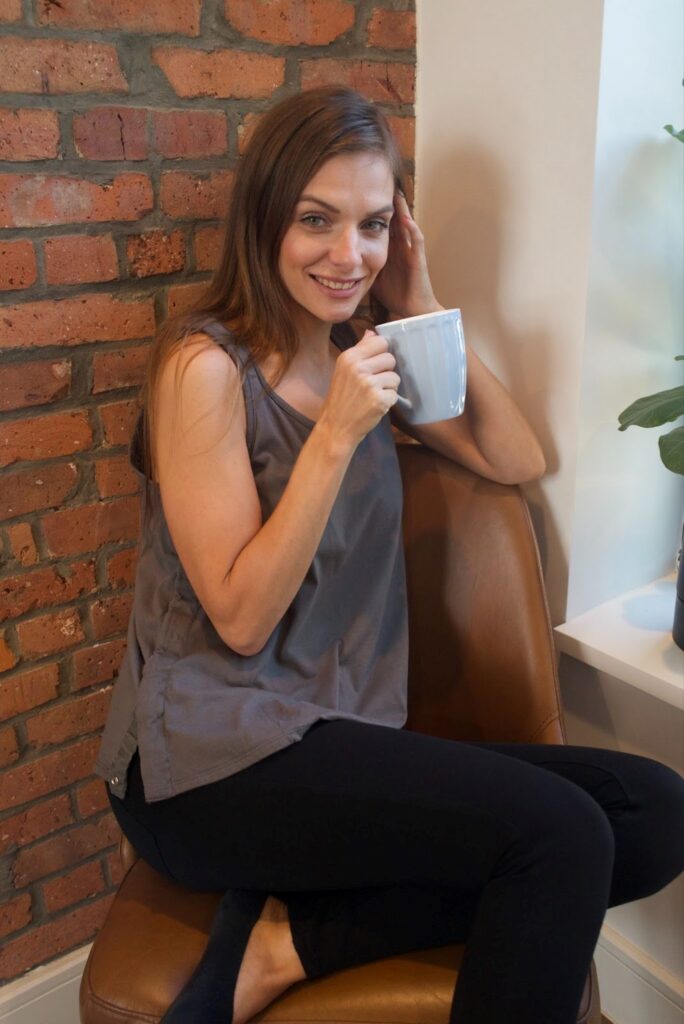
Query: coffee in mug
(431,360)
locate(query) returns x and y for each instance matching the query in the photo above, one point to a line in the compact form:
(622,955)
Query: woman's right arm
(245,572)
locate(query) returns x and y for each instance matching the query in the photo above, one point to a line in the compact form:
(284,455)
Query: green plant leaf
(675,135)
(672,450)
(653,410)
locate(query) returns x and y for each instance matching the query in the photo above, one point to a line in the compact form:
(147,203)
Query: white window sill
(630,638)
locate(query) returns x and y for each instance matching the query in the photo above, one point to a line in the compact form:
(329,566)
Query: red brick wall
(120,124)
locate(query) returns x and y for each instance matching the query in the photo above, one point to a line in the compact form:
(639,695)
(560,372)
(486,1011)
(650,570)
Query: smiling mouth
(337,286)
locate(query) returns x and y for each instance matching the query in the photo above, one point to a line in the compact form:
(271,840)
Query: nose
(346,249)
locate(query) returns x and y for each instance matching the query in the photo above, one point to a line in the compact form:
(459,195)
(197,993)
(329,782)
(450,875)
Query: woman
(254,743)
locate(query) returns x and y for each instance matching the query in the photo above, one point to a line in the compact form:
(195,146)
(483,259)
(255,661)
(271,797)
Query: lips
(341,286)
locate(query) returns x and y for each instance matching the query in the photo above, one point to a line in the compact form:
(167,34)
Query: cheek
(378,256)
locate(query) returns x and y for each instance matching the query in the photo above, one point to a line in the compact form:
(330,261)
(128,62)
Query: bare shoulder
(198,394)
(198,363)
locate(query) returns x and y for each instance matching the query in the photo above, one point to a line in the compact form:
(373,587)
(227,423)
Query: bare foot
(270,964)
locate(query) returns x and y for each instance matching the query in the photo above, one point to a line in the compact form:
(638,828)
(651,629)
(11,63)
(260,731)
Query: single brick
(404,131)
(111,615)
(115,476)
(208,245)
(118,421)
(45,588)
(22,545)
(17,265)
(81,530)
(27,690)
(34,200)
(155,252)
(221,73)
(182,16)
(189,196)
(11,10)
(121,568)
(8,658)
(75,259)
(28,134)
(182,297)
(115,868)
(15,914)
(73,321)
(392,30)
(380,81)
(9,746)
(26,782)
(29,490)
(47,941)
(76,717)
(91,797)
(291,22)
(111,133)
(34,383)
(44,436)
(189,133)
(61,851)
(80,884)
(97,664)
(47,634)
(38,820)
(54,66)
(124,368)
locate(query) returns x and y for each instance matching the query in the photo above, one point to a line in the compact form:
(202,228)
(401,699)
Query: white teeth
(336,285)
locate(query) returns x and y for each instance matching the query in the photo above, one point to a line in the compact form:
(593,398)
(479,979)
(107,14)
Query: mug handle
(404,402)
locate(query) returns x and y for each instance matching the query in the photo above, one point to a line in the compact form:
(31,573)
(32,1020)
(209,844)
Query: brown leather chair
(482,667)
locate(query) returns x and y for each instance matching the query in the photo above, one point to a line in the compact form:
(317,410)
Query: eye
(377,225)
(314,220)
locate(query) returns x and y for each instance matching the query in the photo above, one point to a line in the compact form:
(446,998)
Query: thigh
(642,799)
(354,805)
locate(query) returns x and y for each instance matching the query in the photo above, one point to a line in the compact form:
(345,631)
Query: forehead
(352,174)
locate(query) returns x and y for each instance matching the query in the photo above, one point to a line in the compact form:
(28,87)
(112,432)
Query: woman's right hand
(363,388)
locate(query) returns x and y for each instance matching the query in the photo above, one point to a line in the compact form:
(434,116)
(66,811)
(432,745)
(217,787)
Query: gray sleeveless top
(196,709)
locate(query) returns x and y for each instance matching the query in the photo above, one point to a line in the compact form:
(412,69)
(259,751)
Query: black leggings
(382,841)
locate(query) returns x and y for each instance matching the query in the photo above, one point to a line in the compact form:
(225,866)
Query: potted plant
(654,411)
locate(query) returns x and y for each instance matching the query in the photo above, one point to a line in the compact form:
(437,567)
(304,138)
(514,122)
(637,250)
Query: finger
(417,237)
(389,380)
(379,363)
(371,344)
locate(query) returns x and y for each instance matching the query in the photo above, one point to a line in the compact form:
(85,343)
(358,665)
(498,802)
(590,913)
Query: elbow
(535,470)
(241,640)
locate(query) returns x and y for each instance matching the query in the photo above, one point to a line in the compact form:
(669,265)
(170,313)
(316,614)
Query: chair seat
(155,934)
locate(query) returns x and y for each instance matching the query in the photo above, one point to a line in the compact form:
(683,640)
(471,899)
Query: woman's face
(336,244)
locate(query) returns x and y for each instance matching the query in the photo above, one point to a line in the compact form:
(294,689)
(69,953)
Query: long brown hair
(288,146)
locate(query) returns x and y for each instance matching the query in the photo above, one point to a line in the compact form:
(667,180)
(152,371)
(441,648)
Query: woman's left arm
(491,436)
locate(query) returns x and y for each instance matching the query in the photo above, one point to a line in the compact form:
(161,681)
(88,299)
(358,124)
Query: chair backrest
(482,664)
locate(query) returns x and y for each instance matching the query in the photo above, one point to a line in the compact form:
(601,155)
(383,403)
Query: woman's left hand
(403,285)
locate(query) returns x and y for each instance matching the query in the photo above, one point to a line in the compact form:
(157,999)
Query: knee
(573,841)
(658,802)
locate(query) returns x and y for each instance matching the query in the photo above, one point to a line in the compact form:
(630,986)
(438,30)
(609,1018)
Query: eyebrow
(333,209)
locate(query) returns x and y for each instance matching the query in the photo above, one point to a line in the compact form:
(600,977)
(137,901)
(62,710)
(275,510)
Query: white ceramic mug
(431,361)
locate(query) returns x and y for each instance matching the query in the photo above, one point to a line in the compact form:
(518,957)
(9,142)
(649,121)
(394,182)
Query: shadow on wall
(523,361)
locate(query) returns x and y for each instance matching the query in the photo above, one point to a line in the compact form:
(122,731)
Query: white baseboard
(46,995)
(635,988)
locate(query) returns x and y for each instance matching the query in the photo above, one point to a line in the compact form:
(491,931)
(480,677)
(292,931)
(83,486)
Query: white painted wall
(506,125)
(627,509)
